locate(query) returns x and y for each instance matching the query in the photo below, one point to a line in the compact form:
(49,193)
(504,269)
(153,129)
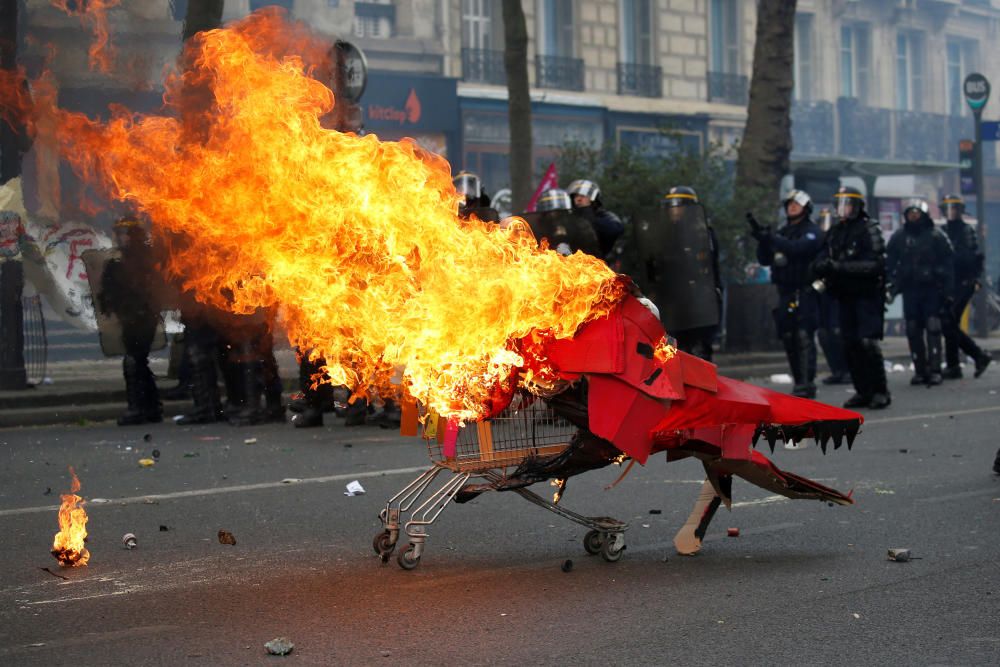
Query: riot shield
(109,328)
(564,227)
(676,266)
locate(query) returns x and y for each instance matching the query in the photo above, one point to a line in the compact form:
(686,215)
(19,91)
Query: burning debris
(328,225)
(69,544)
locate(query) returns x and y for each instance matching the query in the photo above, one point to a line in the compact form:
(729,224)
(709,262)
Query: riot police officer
(127,293)
(968,271)
(679,257)
(566,233)
(477,202)
(587,203)
(790,252)
(828,331)
(851,265)
(919,265)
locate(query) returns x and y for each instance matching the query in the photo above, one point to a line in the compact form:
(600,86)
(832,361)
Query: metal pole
(982,321)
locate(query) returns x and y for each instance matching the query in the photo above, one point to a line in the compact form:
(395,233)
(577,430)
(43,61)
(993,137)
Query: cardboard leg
(688,539)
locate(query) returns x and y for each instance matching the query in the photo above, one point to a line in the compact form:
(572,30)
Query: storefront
(425,108)
(657,135)
(486,136)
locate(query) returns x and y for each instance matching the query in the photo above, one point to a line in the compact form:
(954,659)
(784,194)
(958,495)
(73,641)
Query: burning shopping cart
(495,450)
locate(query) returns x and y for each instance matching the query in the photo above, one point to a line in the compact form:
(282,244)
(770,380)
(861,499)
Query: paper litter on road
(781,378)
(355,489)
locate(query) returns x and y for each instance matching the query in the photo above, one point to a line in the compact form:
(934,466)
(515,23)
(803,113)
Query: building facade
(877,82)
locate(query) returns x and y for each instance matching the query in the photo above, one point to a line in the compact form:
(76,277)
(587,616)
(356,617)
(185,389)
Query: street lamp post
(977,93)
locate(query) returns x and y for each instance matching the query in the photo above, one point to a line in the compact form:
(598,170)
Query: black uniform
(919,265)
(790,252)
(126,292)
(852,266)
(698,340)
(968,270)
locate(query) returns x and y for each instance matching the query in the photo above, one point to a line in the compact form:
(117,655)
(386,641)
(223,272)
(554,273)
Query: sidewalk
(94,390)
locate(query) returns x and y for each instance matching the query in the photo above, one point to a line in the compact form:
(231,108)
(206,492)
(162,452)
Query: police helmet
(850,202)
(584,187)
(953,206)
(554,199)
(916,204)
(680,195)
(468,184)
(800,197)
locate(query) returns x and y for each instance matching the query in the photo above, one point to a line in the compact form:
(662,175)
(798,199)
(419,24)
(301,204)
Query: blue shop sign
(409,102)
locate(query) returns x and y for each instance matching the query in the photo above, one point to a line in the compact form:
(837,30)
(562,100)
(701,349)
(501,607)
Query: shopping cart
(527,429)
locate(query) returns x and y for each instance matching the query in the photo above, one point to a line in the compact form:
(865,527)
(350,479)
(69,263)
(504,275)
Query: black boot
(805,348)
(918,351)
(952,373)
(982,362)
(250,412)
(789,342)
(875,367)
(996,463)
(934,376)
(356,413)
(204,388)
(135,388)
(855,357)
(309,418)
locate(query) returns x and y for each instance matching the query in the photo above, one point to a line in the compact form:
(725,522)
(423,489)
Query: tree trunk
(12,371)
(515,58)
(767,140)
(202,15)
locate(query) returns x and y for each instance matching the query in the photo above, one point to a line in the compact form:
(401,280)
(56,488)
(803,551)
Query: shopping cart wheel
(613,548)
(592,542)
(406,559)
(383,544)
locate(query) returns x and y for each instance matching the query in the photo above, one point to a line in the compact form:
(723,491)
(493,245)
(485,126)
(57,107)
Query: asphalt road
(804,583)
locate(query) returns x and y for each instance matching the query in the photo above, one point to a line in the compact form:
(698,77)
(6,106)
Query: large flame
(355,238)
(69,545)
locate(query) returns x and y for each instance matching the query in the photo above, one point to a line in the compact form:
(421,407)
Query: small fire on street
(69,544)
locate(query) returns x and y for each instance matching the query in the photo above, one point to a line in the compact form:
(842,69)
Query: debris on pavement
(781,378)
(225,537)
(355,489)
(250,441)
(128,539)
(656,511)
(899,555)
(145,463)
(177,418)
(291,480)
(279,646)
(147,437)
(732,532)
(163,528)
(156,453)
(567,565)
(48,491)
(191,455)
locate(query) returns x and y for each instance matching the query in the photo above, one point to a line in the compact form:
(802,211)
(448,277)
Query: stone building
(878,82)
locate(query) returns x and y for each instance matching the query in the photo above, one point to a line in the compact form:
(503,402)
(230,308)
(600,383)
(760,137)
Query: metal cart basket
(527,429)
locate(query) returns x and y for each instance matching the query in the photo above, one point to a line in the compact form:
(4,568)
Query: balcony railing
(864,131)
(812,128)
(727,88)
(558,72)
(483,66)
(852,130)
(641,80)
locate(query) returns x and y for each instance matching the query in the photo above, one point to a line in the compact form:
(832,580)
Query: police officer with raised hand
(968,271)
(851,265)
(790,252)
(586,196)
(566,233)
(919,265)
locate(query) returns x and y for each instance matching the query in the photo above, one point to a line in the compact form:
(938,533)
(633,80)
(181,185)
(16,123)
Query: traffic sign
(977,91)
(991,130)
